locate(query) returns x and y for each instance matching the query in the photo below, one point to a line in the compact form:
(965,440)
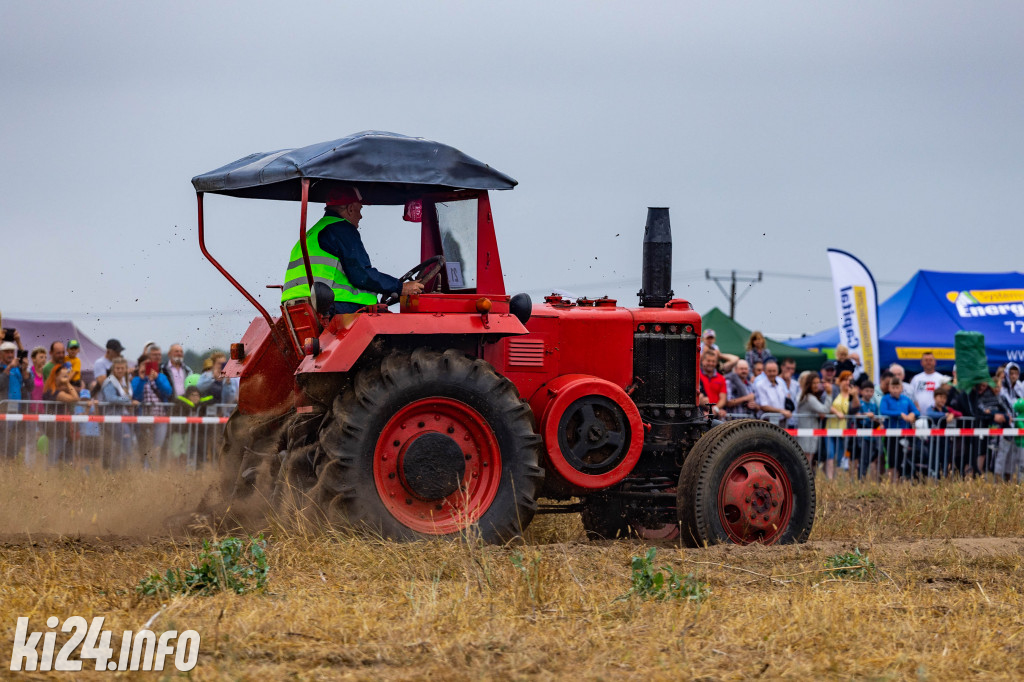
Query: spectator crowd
(842,396)
(60,381)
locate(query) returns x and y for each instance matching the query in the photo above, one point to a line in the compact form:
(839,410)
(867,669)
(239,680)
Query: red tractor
(467,406)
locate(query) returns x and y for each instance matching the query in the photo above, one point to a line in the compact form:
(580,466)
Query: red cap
(341,196)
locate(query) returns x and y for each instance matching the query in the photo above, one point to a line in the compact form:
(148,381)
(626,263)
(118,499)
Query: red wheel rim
(463,425)
(755,499)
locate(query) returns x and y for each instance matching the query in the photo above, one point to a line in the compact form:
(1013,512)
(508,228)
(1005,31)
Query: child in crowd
(866,448)
(188,441)
(941,414)
(900,413)
(847,402)
(89,432)
(75,362)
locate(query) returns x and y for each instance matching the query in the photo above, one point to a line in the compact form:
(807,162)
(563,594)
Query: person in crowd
(101,368)
(154,353)
(151,389)
(757,349)
(726,361)
(76,363)
(900,375)
(939,413)
(866,448)
(758,369)
(57,357)
(36,378)
(828,380)
(214,383)
(924,383)
(11,378)
(809,412)
(982,404)
(1005,460)
(844,363)
(900,413)
(883,384)
(1012,384)
(740,400)
(175,369)
(787,372)
(847,402)
(711,380)
(189,443)
(771,394)
(89,432)
(117,394)
(707,340)
(60,391)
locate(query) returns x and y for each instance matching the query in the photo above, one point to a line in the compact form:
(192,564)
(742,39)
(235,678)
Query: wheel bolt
(768,487)
(397,443)
(437,417)
(438,507)
(466,437)
(766,518)
(451,429)
(747,500)
(753,516)
(391,475)
(775,503)
(383,458)
(485,463)
(421,424)
(468,456)
(408,500)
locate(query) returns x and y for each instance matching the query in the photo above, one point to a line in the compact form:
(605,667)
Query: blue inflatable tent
(929,309)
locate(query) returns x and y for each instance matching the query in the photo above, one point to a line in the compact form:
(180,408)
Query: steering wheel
(423,272)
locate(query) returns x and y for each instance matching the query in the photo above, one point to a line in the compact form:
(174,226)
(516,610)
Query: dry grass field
(943,602)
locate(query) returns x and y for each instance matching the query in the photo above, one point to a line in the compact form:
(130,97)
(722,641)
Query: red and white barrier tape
(849,433)
(108,419)
(888,433)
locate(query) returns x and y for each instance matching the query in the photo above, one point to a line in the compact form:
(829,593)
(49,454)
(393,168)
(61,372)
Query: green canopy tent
(732,337)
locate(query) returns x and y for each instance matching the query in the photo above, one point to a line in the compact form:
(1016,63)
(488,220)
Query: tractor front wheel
(430,444)
(745,482)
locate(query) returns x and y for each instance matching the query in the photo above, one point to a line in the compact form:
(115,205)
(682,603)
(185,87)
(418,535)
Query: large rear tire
(745,482)
(430,444)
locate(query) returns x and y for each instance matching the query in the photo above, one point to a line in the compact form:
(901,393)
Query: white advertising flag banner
(857,308)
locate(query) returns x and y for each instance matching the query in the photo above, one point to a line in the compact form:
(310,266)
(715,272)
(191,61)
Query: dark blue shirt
(343,240)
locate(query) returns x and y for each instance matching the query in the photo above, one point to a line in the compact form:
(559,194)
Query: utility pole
(732,278)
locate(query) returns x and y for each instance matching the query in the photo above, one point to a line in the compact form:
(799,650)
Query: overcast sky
(772,130)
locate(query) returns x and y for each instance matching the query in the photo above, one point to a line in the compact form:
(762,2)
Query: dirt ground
(943,602)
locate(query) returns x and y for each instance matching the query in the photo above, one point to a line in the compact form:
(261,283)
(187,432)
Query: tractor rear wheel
(744,482)
(430,444)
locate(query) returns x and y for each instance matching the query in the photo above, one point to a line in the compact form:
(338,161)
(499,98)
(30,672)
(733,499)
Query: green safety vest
(326,268)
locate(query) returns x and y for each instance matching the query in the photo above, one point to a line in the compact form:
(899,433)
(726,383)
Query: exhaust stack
(656,280)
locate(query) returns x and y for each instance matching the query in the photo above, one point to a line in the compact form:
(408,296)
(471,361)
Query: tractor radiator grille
(526,353)
(667,366)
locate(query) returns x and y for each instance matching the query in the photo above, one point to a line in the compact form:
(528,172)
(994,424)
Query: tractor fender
(266,371)
(550,404)
(347,337)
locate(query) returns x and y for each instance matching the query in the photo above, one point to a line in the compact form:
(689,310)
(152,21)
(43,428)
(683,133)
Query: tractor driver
(339,259)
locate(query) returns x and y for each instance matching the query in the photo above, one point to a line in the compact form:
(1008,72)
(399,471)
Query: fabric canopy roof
(732,337)
(388,168)
(926,313)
